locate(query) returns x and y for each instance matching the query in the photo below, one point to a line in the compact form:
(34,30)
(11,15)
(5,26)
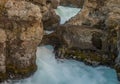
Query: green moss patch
(2,76)
(91,56)
(20,73)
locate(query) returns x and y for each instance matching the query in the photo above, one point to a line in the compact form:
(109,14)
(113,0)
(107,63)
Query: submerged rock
(21,31)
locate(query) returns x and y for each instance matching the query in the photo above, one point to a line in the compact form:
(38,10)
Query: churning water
(53,71)
(66,13)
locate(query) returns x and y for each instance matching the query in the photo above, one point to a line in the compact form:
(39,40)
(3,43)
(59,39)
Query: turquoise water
(66,13)
(52,71)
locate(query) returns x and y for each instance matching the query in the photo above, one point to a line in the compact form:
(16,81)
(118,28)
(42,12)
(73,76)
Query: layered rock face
(73,3)
(97,13)
(50,19)
(21,31)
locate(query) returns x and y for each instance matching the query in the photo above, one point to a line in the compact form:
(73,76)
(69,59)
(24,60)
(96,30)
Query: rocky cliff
(21,31)
(104,15)
(92,36)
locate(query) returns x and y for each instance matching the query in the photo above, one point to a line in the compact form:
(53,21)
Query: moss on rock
(91,57)
(3,76)
(19,73)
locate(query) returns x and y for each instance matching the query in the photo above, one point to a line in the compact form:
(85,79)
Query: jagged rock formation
(104,16)
(21,31)
(81,43)
(50,19)
(73,3)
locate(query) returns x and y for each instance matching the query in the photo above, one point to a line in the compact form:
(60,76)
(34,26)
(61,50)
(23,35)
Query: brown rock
(50,19)
(105,15)
(96,13)
(81,37)
(52,22)
(73,3)
(102,18)
(21,31)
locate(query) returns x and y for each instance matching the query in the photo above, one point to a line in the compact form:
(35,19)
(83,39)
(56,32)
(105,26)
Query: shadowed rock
(49,18)
(77,37)
(73,3)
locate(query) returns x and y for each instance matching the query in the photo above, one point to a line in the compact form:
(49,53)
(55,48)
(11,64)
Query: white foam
(51,71)
(66,13)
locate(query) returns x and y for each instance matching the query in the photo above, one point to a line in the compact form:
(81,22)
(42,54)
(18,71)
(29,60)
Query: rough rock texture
(21,31)
(104,15)
(80,37)
(49,18)
(97,13)
(73,3)
(82,43)
(52,22)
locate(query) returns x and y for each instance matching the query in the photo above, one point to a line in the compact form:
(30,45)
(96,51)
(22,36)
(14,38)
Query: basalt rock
(21,31)
(73,3)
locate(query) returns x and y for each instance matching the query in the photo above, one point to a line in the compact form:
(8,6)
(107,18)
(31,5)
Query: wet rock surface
(21,31)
